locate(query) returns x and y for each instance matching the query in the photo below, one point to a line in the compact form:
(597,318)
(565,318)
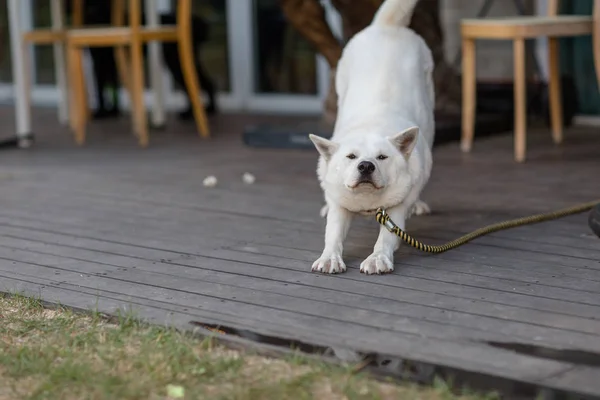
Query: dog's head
(368,163)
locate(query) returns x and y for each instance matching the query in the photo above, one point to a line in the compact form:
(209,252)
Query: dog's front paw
(329,264)
(377,263)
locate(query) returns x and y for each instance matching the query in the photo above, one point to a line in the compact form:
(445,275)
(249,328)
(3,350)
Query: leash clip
(390,225)
(387,222)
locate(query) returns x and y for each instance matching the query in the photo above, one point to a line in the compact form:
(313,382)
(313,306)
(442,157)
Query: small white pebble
(210,181)
(248,178)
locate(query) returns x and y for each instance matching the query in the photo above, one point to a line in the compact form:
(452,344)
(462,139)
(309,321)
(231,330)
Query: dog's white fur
(385,109)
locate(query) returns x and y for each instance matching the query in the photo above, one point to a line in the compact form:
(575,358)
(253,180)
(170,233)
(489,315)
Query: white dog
(380,152)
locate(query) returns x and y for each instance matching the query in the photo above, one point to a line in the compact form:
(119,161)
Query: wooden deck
(111,226)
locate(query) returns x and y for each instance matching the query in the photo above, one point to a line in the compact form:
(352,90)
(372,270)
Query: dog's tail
(395,13)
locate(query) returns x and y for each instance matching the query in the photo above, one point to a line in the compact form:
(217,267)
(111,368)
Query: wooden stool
(133,37)
(518,29)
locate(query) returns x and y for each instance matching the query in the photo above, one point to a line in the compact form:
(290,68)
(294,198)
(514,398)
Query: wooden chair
(56,36)
(133,37)
(518,29)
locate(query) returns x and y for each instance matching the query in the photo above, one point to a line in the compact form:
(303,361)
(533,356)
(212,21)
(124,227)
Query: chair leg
(469,94)
(554,86)
(27,73)
(71,69)
(85,102)
(123,68)
(79,95)
(140,124)
(520,100)
(186,57)
(62,82)
(596,42)
(20,78)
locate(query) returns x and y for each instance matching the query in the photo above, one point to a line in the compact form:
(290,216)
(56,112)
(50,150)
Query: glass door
(274,69)
(34,14)
(214,51)
(258,62)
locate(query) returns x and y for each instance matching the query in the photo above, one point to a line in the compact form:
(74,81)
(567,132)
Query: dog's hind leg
(324,210)
(420,208)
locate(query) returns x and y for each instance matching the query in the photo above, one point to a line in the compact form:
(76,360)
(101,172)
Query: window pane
(44,55)
(284,61)
(5,58)
(214,52)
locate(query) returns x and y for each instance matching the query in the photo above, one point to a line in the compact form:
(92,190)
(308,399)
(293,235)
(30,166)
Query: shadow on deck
(114,226)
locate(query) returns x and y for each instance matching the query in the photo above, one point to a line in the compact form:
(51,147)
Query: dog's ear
(325,147)
(406,140)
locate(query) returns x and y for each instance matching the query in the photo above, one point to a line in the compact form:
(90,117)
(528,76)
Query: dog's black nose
(366,167)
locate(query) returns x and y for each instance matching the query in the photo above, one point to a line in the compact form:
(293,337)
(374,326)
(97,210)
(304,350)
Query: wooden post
(20,78)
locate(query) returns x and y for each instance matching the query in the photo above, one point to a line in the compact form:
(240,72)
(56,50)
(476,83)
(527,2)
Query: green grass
(58,354)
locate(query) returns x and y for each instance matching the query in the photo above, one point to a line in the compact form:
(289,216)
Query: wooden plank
(295,298)
(565,250)
(506,364)
(224,205)
(572,232)
(328,335)
(303,291)
(458,290)
(410,296)
(252,229)
(574,295)
(570,249)
(476,281)
(173,247)
(584,378)
(563,281)
(480,245)
(130,256)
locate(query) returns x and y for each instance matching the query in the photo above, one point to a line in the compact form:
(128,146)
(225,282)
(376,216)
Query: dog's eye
(351,156)
(382,157)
